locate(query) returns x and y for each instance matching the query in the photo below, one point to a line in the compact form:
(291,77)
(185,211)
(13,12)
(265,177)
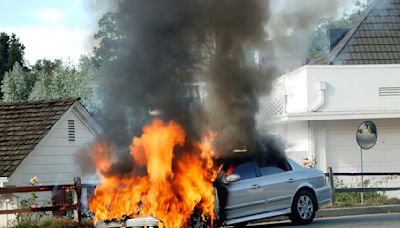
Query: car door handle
(255,186)
(291,180)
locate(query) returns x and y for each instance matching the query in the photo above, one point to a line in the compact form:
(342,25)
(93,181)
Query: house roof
(374,39)
(23,125)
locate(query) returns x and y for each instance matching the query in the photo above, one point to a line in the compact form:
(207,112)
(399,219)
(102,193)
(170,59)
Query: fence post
(332,185)
(78,190)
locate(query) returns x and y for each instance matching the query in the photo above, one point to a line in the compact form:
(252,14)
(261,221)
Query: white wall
(297,140)
(349,87)
(296,89)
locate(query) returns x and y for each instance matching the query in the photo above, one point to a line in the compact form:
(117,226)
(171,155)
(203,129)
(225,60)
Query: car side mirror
(232,178)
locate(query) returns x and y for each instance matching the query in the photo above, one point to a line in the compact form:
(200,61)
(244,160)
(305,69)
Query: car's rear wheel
(303,207)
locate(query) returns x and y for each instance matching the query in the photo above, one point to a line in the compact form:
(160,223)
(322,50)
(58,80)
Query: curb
(345,211)
(333,212)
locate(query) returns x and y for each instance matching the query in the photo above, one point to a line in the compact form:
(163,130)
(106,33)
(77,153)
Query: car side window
(270,170)
(246,170)
(285,165)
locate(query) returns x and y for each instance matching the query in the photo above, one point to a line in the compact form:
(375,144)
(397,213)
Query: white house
(319,107)
(40,138)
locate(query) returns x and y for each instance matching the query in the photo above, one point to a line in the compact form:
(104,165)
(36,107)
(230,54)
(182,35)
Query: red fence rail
(76,205)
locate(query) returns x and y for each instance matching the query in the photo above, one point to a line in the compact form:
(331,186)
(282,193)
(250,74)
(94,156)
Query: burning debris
(168,45)
(145,221)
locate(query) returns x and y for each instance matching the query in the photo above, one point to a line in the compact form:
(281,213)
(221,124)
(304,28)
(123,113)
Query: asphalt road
(391,220)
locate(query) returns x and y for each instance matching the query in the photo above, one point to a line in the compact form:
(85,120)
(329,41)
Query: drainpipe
(321,86)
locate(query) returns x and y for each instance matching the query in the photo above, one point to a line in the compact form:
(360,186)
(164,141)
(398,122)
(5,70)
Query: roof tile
(374,40)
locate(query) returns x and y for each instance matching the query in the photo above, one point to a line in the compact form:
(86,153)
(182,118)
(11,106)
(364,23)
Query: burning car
(252,190)
(181,183)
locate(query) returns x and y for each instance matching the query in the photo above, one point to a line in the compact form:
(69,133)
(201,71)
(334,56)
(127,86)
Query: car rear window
(246,170)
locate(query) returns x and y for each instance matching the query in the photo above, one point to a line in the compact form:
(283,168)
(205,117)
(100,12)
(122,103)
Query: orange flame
(174,185)
(230,170)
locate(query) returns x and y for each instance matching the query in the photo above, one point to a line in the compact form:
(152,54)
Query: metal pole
(332,184)
(362,175)
(7,200)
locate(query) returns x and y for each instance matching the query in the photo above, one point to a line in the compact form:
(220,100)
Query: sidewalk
(332,212)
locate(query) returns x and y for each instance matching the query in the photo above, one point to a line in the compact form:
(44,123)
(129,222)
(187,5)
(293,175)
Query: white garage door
(343,155)
(343,152)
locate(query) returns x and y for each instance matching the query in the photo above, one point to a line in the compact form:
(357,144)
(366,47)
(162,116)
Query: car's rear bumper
(323,195)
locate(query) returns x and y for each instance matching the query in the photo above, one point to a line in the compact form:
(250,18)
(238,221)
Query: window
(284,165)
(270,170)
(246,170)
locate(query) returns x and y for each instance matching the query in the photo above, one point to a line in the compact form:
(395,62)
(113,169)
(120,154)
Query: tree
(67,80)
(16,84)
(11,52)
(110,39)
(45,65)
(319,39)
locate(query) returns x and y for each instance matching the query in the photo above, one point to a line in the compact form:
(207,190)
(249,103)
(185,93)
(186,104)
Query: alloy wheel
(305,207)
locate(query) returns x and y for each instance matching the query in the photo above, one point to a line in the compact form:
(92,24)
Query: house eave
(337,115)
(87,119)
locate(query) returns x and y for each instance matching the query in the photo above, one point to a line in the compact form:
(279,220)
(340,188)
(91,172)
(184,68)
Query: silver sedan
(253,191)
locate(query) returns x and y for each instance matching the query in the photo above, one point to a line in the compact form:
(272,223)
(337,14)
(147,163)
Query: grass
(352,199)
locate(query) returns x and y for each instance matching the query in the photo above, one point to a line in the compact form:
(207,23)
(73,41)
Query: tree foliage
(110,38)
(17,84)
(46,66)
(11,52)
(66,80)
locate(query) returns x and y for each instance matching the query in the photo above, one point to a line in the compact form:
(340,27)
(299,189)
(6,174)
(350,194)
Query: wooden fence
(76,205)
(330,174)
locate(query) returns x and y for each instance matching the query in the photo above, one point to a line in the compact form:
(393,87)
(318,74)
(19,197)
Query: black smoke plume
(157,49)
(170,44)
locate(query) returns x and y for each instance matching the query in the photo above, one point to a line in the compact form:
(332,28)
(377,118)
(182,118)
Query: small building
(40,139)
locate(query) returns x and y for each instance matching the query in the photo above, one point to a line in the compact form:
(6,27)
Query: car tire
(303,207)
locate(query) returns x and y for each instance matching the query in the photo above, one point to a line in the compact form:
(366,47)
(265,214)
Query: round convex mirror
(367,135)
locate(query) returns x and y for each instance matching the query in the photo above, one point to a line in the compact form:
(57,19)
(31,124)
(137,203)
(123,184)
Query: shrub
(54,223)
(354,198)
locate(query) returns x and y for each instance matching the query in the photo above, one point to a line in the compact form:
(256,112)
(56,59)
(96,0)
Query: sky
(52,29)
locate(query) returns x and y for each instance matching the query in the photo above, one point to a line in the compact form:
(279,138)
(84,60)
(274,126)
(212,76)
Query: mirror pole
(362,176)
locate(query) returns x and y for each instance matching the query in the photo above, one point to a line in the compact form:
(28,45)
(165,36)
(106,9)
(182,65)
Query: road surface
(391,220)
